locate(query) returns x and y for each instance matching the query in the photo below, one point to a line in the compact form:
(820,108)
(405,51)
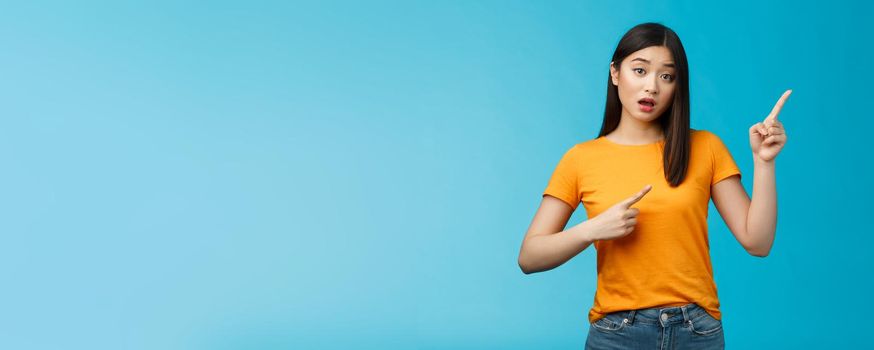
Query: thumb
(637,197)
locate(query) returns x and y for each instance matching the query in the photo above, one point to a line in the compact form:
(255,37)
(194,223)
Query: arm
(762,216)
(545,245)
(545,248)
(753,223)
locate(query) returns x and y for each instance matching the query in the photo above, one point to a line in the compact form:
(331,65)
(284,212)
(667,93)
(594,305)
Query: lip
(647,99)
(644,107)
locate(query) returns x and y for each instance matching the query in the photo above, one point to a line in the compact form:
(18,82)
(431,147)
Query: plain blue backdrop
(333,175)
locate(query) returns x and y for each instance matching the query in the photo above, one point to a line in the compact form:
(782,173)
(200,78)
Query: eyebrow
(647,61)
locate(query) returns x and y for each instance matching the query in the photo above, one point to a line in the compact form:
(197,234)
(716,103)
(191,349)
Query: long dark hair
(675,120)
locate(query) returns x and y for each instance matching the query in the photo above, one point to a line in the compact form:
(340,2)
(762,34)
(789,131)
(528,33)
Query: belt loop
(631,317)
(685,316)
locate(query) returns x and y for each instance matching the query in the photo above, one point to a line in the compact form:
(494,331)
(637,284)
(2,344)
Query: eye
(638,69)
(669,77)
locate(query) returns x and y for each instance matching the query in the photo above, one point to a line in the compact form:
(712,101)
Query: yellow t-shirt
(665,261)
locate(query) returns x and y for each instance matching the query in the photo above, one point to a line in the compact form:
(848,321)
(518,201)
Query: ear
(614,74)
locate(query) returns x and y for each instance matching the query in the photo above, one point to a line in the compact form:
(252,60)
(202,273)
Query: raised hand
(618,220)
(767,138)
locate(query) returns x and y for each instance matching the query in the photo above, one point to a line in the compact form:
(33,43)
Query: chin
(648,117)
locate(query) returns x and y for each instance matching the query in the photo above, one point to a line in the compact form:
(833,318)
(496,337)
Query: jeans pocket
(704,324)
(609,323)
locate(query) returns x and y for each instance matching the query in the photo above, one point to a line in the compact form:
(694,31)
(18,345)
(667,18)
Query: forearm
(545,252)
(762,215)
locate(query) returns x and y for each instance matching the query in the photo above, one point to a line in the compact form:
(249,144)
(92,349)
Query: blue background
(206,175)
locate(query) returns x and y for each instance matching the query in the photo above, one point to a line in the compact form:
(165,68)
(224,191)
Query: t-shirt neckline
(606,140)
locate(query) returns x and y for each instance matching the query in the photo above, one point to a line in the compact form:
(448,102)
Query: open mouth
(646,104)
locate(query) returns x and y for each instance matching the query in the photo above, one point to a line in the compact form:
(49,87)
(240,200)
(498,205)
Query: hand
(617,221)
(768,138)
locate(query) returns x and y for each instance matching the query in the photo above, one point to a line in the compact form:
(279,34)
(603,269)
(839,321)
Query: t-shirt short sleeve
(723,163)
(564,183)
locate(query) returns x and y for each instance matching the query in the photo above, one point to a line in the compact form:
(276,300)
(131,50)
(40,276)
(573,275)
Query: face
(646,81)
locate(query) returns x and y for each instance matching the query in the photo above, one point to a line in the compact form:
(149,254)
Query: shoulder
(706,142)
(703,134)
(589,145)
(584,147)
(588,150)
(704,138)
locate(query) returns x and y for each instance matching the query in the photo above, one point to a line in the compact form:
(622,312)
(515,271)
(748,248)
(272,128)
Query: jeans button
(664,317)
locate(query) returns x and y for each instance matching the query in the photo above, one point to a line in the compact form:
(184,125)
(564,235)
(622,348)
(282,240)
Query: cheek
(668,97)
(629,82)
(628,87)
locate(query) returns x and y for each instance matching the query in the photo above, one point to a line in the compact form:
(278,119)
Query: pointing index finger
(777,107)
(637,197)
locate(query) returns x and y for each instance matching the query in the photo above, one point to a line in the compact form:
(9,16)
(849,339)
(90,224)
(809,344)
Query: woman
(655,280)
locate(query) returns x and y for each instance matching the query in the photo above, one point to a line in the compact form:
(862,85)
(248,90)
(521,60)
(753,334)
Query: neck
(636,132)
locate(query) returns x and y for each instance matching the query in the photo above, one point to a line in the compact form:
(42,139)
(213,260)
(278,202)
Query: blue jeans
(679,327)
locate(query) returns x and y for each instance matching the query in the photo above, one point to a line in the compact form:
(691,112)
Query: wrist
(759,162)
(583,231)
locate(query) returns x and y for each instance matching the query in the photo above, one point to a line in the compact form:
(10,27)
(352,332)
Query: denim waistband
(663,315)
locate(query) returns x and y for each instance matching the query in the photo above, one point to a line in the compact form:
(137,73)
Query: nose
(651,85)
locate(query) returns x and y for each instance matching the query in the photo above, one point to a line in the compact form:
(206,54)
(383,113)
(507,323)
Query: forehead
(657,55)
